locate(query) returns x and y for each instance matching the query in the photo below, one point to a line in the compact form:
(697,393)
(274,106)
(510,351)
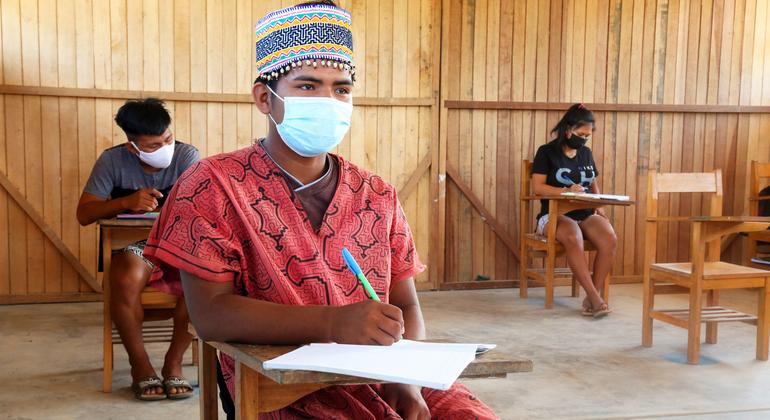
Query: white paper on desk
(432,365)
(598,196)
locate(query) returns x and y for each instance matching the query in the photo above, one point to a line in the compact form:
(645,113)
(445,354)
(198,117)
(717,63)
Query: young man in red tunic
(257,234)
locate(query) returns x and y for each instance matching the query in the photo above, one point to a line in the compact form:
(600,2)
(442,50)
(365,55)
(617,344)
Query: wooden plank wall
(539,53)
(48,144)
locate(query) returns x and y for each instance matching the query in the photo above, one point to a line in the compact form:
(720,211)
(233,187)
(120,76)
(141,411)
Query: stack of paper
(432,365)
(598,196)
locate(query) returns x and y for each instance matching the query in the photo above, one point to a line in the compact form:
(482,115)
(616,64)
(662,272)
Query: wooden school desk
(258,390)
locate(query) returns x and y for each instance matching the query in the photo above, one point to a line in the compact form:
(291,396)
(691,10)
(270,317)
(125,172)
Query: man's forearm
(240,319)
(88,213)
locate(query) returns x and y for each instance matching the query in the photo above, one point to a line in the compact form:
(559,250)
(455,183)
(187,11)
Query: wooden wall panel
(48,144)
(647,52)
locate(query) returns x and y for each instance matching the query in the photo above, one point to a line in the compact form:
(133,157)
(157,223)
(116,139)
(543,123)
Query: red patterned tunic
(233,218)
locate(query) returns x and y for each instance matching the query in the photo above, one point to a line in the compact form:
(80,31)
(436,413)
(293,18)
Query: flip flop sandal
(587,310)
(140,387)
(602,312)
(177,382)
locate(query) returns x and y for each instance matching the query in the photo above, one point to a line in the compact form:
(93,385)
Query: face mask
(576,142)
(159,159)
(312,126)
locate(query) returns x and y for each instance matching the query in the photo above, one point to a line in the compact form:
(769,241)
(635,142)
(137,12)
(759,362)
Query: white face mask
(159,159)
(312,126)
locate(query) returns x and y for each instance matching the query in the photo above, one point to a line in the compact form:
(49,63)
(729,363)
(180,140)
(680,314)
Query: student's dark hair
(143,117)
(576,115)
(319,2)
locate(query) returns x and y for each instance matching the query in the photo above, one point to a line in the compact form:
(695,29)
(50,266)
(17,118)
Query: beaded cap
(309,35)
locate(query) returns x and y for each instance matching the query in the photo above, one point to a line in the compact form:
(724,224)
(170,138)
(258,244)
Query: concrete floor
(50,361)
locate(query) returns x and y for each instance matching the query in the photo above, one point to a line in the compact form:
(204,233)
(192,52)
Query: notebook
(598,196)
(151,215)
(432,365)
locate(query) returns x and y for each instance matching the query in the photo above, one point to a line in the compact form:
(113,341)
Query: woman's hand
(406,400)
(577,188)
(600,212)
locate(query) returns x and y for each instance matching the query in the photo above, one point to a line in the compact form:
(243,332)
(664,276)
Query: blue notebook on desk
(150,215)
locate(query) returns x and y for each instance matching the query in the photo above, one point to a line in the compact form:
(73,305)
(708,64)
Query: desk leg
(763,321)
(107,352)
(246,392)
(550,259)
(207,381)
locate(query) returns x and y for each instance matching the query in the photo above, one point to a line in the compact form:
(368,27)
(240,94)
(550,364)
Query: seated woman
(566,164)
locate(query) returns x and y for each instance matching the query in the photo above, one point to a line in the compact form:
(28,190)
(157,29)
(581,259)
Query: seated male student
(257,234)
(136,177)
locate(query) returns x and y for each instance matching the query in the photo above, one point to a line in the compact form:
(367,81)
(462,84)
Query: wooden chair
(706,273)
(757,241)
(533,246)
(157,305)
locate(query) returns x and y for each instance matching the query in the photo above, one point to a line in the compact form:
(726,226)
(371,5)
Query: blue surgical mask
(312,126)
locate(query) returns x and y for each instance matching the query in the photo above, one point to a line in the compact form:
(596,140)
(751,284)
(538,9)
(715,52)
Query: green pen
(353,266)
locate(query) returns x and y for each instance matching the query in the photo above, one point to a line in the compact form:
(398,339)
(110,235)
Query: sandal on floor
(177,382)
(587,310)
(140,387)
(603,311)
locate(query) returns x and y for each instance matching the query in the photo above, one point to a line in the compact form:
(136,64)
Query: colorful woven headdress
(309,35)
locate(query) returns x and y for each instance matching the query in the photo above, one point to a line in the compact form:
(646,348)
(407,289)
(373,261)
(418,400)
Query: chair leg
(763,321)
(712,299)
(648,303)
(107,353)
(575,287)
(693,326)
(606,291)
(523,273)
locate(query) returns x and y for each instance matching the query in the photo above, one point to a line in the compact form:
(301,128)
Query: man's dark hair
(143,117)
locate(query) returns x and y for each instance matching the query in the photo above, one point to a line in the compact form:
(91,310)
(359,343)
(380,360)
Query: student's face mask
(576,142)
(159,159)
(312,126)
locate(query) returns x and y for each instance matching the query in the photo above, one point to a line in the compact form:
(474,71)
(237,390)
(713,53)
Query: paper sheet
(598,196)
(433,365)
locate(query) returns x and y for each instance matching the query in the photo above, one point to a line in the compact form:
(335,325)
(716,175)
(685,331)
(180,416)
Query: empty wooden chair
(546,247)
(758,242)
(705,273)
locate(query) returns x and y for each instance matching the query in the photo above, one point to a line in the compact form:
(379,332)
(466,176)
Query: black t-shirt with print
(562,171)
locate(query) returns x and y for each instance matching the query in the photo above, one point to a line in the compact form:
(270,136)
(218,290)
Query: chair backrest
(526,175)
(686,182)
(709,183)
(525,208)
(759,171)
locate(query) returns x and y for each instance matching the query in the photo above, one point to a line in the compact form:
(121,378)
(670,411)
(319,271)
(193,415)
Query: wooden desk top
(737,219)
(578,198)
(488,365)
(124,223)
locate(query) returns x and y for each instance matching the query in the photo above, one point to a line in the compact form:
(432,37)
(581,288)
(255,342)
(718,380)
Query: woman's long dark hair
(576,115)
